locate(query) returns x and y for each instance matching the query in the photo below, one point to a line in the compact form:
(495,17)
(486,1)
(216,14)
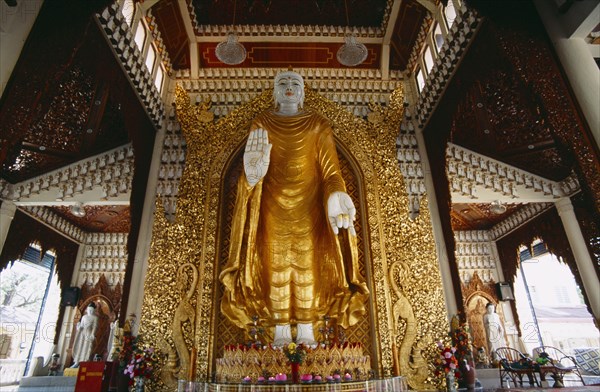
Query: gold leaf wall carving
(391,237)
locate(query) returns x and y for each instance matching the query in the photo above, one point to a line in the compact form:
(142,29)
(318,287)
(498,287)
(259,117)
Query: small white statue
(86,335)
(494,330)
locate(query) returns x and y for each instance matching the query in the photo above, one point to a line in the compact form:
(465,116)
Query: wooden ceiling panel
(98,219)
(477,216)
(501,116)
(69,108)
(365,13)
(406,30)
(167,15)
(284,54)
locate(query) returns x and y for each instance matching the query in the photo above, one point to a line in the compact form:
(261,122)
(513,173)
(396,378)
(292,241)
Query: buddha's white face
(490,309)
(289,89)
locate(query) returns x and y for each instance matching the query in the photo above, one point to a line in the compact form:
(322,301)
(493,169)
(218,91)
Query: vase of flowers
(295,354)
(446,365)
(138,384)
(461,339)
(140,367)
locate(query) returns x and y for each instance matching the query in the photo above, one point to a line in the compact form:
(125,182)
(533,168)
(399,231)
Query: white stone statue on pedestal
(494,331)
(86,336)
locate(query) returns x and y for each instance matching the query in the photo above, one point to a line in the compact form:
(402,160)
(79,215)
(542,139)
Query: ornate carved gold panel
(409,316)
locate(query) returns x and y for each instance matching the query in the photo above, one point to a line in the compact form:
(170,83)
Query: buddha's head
(490,308)
(91,308)
(289,89)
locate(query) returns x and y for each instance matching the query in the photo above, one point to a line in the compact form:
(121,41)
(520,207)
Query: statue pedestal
(240,362)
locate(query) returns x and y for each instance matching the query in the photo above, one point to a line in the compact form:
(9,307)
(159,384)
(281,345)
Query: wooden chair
(560,364)
(514,364)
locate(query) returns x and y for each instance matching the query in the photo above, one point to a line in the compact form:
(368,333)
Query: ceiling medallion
(231,51)
(497,207)
(78,210)
(352,53)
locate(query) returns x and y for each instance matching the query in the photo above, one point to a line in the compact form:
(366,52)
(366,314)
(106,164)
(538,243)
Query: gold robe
(285,264)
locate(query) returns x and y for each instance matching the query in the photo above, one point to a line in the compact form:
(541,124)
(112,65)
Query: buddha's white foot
(306,335)
(283,335)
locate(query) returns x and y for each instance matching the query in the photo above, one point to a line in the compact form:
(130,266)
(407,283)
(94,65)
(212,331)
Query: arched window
(128,11)
(29,298)
(420,80)
(549,303)
(450,13)
(438,37)
(428,59)
(158,79)
(150,57)
(140,36)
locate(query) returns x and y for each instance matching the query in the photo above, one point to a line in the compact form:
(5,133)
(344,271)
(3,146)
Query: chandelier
(497,207)
(352,52)
(78,210)
(231,51)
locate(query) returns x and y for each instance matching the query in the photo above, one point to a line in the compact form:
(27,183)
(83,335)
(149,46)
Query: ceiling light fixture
(497,207)
(78,210)
(352,52)
(231,51)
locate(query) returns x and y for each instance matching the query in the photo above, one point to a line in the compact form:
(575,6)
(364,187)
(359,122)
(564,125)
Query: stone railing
(522,215)
(121,38)
(467,171)
(454,47)
(111,172)
(58,223)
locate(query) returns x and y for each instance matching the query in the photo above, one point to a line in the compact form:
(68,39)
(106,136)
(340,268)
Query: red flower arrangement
(461,339)
(125,350)
(142,364)
(447,361)
(134,360)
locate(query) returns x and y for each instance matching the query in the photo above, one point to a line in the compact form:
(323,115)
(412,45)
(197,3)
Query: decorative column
(438,233)
(67,320)
(567,32)
(580,252)
(140,266)
(7,213)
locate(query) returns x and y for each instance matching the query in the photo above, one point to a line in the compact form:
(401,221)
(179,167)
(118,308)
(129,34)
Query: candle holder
(326,331)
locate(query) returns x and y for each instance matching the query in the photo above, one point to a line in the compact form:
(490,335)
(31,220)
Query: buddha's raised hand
(257,156)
